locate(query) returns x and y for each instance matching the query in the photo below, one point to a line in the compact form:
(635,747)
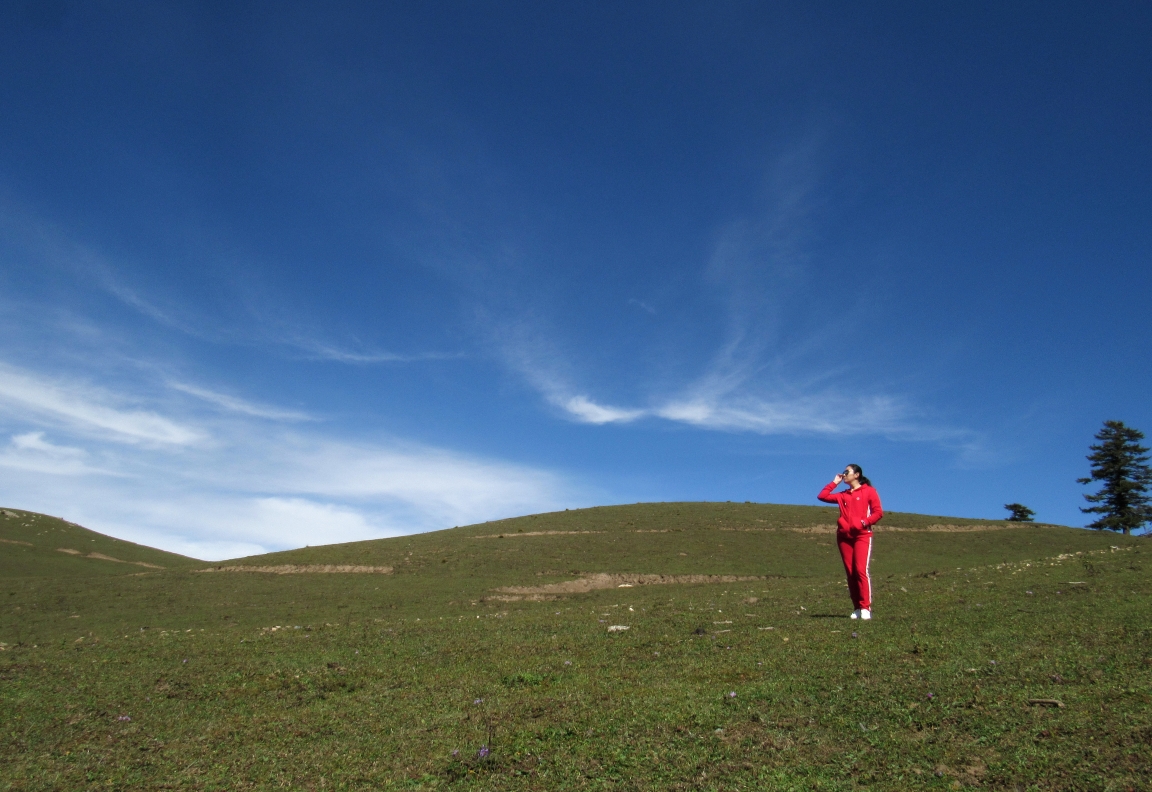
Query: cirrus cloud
(218,485)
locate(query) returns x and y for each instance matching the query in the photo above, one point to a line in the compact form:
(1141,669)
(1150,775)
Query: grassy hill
(481,658)
(37,545)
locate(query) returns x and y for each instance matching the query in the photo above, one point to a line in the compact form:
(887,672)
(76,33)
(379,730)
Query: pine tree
(1020,512)
(1122,464)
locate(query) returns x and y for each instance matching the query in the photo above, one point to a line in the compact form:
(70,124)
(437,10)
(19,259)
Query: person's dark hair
(860,472)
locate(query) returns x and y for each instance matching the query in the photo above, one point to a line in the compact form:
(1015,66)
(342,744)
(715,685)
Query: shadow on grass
(827,616)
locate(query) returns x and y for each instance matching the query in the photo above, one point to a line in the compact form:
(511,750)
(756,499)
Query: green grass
(330,681)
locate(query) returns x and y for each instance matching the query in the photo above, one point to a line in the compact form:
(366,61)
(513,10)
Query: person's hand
(838,479)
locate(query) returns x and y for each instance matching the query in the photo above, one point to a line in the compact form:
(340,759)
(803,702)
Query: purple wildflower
(124,718)
(567,662)
(478,701)
(455,754)
(732,694)
(482,752)
(931,695)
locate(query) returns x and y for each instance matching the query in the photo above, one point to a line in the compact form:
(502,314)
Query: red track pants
(857,552)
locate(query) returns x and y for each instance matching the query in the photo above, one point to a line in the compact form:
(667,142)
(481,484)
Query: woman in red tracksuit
(859,511)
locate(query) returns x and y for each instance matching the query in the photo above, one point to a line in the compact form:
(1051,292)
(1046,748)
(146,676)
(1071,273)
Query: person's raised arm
(826,493)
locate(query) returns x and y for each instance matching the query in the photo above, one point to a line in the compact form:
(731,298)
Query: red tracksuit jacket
(859,508)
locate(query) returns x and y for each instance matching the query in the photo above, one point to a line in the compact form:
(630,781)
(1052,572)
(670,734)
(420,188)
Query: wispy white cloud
(43,244)
(130,297)
(34,441)
(31,452)
(643,306)
(238,405)
(235,484)
(817,413)
(820,414)
(88,408)
(739,391)
(432,485)
(225,526)
(776,369)
(247,317)
(114,450)
(585,410)
(525,350)
(319,350)
(727,397)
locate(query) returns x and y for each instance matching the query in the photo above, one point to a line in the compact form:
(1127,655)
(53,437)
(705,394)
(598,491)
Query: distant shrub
(1019,512)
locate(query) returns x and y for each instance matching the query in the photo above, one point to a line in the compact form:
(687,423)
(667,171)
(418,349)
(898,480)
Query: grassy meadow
(1002,656)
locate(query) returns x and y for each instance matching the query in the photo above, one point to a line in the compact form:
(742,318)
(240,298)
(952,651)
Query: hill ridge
(41,545)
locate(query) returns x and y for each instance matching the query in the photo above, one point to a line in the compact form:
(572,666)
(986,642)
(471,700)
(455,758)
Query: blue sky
(275,274)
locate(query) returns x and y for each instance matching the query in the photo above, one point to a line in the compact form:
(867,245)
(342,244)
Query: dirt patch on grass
(603,580)
(17,542)
(935,528)
(298,569)
(947,528)
(534,533)
(102,557)
(805,529)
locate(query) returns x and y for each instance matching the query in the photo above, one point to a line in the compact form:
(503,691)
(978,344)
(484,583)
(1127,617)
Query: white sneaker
(855,615)
(865,614)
